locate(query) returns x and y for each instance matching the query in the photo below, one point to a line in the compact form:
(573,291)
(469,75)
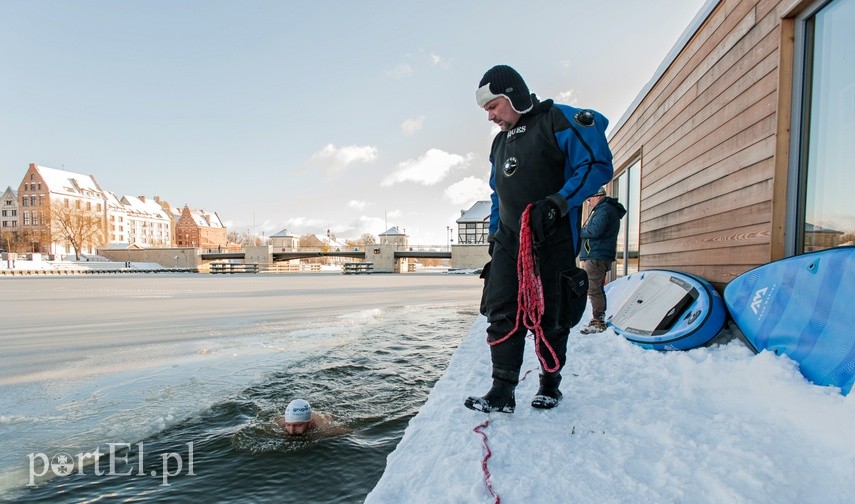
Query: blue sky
(348,116)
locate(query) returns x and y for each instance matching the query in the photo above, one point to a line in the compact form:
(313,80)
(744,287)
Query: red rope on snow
(479,429)
(530,306)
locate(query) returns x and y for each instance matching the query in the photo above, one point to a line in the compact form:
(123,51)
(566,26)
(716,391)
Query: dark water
(371,386)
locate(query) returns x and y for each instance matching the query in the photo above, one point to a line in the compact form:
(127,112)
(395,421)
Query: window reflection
(829,216)
(627,189)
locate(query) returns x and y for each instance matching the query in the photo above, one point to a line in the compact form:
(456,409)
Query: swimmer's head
(297,411)
(298,416)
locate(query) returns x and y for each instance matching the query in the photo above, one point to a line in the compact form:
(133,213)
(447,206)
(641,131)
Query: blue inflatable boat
(664,310)
(799,307)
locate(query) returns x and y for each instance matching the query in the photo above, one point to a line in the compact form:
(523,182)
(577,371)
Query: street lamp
(448,238)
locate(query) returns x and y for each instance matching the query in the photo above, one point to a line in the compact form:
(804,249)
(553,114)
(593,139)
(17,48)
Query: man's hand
(543,215)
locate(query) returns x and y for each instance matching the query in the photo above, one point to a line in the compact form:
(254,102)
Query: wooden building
(473,226)
(742,143)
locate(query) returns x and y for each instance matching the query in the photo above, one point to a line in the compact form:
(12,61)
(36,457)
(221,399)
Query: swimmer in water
(299,418)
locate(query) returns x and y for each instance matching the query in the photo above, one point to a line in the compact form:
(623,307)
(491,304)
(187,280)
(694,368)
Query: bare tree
(7,240)
(368,239)
(77,226)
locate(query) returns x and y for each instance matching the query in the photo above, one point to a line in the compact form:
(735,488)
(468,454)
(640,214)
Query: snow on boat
(664,310)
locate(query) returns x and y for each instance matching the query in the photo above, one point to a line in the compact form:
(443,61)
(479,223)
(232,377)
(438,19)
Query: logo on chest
(516,131)
(510,166)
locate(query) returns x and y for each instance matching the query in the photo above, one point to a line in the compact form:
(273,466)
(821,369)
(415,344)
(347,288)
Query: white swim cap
(298,411)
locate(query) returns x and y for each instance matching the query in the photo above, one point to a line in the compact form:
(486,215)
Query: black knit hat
(502,80)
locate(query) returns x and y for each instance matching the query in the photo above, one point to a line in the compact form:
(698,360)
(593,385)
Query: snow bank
(714,424)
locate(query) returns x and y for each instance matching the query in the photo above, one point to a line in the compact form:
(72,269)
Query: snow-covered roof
(479,212)
(206,219)
(283,234)
(61,181)
(813,228)
(144,207)
(113,202)
(678,46)
(393,231)
(326,240)
(11,191)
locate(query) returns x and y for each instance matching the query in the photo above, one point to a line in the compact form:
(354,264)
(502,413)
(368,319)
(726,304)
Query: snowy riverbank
(714,424)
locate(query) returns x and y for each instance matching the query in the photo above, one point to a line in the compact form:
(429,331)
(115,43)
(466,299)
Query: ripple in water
(371,385)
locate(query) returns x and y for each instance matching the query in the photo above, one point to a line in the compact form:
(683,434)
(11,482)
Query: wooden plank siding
(708,132)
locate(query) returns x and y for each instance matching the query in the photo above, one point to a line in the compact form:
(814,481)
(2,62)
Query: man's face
(499,111)
(296,428)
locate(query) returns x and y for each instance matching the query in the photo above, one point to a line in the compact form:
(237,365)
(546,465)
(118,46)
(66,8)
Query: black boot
(501,395)
(548,396)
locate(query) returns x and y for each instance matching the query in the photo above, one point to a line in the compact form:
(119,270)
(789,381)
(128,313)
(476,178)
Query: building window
(823,142)
(26,218)
(627,189)
(25,201)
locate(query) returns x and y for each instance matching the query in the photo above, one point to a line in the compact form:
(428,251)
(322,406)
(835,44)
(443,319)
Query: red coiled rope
(530,294)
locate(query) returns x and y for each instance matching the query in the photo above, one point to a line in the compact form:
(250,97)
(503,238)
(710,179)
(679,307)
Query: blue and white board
(802,307)
(664,310)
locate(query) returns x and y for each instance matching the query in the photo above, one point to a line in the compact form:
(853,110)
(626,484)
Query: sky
(311,116)
(708,425)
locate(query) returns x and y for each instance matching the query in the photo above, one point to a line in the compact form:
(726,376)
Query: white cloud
(303,225)
(410,126)
(429,169)
(359,205)
(566,97)
(401,71)
(468,190)
(436,59)
(365,224)
(335,159)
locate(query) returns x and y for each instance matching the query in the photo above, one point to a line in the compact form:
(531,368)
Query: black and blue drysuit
(551,152)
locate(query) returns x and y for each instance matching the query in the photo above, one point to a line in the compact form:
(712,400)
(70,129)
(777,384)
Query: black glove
(491,243)
(543,217)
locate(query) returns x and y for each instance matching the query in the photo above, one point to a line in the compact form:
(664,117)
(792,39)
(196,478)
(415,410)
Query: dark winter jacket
(599,235)
(548,153)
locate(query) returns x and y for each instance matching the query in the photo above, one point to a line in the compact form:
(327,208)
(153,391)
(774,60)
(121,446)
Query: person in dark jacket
(599,248)
(552,156)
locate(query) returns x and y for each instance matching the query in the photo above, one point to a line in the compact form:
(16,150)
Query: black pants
(564,300)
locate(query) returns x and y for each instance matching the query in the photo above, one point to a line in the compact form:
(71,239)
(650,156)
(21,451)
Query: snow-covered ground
(716,424)
(68,265)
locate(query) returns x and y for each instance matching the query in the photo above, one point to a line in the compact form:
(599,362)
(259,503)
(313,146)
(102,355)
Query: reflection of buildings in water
(818,238)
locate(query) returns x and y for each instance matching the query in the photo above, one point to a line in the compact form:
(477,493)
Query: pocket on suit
(485,275)
(574,291)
